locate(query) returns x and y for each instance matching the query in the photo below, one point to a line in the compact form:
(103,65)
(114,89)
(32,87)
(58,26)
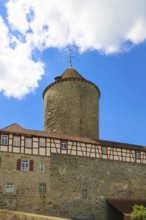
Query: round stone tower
(71,106)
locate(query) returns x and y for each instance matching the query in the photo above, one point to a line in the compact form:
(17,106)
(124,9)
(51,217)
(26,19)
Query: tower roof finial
(70,58)
(70,61)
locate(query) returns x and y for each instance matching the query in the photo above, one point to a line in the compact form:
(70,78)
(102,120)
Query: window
(41,167)
(16,141)
(104,150)
(25,165)
(63,145)
(28,142)
(42,142)
(42,188)
(4,139)
(137,155)
(84,194)
(9,187)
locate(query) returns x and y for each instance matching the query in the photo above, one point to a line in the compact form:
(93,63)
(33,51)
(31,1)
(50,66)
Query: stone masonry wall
(101,179)
(26,196)
(71,107)
(75,186)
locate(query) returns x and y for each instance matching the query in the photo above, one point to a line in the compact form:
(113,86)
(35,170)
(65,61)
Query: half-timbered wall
(73,148)
(67,178)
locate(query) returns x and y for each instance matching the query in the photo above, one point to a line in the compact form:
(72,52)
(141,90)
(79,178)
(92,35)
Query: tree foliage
(138,213)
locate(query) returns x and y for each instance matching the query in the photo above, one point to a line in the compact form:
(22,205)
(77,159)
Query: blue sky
(109,49)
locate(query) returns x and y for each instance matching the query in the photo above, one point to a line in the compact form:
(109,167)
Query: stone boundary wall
(13,215)
(76,187)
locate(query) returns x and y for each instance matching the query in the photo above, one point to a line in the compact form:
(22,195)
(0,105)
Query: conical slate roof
(71,73)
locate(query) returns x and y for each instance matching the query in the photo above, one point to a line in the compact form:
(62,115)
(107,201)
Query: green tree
(138,213)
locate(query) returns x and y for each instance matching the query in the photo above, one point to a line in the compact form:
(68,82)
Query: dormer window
(57,78)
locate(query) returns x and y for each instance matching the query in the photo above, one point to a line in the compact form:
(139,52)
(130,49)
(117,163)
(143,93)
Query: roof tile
(16,128)
(125,205)
(71,73)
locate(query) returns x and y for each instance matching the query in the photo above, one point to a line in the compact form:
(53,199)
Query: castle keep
(71,106)
(66,170)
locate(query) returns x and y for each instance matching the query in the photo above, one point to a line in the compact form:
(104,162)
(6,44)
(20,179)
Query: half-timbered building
(66,170)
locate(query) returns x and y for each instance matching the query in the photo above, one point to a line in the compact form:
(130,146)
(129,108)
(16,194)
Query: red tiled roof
(125,205)
(16,128)
(122,145)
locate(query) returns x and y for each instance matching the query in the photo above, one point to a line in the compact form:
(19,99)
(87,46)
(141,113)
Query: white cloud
(19,74)
(137,33)
(104,25)
(99,24)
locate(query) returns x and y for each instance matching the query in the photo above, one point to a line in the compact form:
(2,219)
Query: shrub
(138,213)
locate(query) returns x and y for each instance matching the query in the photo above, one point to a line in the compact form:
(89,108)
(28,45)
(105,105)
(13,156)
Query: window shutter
(31,165)
(18,164)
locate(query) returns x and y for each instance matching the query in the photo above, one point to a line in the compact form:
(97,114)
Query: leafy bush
(138,213)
